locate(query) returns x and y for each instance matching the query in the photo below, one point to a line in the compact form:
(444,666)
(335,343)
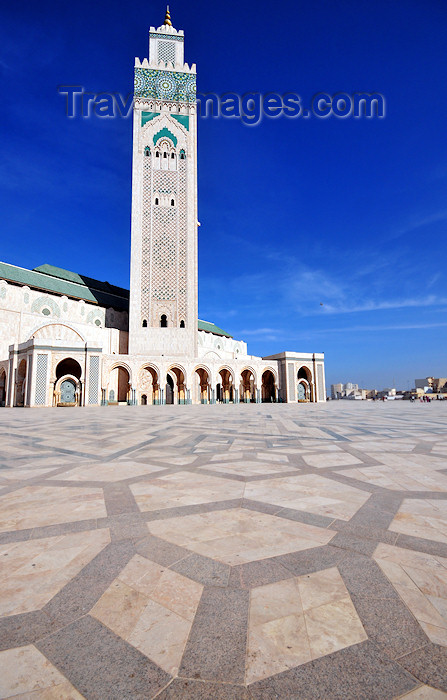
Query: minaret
(163,281)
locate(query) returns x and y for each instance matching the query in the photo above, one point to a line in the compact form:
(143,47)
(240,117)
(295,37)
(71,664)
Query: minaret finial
(168,18)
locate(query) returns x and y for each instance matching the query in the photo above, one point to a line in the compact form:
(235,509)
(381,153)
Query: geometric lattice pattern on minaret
(183,260)
(164,242)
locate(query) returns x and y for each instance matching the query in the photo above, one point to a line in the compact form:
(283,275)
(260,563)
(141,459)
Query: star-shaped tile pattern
(230,552)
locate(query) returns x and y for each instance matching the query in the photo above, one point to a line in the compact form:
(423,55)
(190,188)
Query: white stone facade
(67,341)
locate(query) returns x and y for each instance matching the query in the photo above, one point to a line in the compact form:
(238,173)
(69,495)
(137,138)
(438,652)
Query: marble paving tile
(424,692)
(410,477)
(114,471)
(296,620)
(36,506)
(238,535)
(248,468)
(310,492)
(26,673)
(21,473)
(184,488)
(422,518)
(272,457)
(421,581)
(324,460)
(34,571)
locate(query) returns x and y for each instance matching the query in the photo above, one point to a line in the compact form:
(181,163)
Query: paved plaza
(224,552)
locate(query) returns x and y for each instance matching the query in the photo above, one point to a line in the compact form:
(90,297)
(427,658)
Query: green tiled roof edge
(212,328)
(48,283)
(69,276)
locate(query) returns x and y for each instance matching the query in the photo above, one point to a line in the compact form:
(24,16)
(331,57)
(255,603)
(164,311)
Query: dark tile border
(102,665)
(217,642)
(359,672)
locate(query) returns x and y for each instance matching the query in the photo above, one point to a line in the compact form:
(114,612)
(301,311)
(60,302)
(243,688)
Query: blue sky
(347,213)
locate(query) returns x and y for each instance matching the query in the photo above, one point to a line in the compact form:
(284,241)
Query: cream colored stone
(276,600)
(424,692)
(120,608)
(178,593)
(161,635)
(107,472)
(183,489)
(25,670)
(321,588)
(36,506)
(276,646)
(333,626)
(63,691)
(310,492)
(237,536)
(35,570)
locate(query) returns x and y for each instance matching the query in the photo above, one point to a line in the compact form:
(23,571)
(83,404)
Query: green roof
(81,279)
(59,281)
(77,287)
(212,328)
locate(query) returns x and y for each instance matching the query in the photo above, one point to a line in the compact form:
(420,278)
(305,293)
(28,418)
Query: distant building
(345,391)
(431,385)
(337,391)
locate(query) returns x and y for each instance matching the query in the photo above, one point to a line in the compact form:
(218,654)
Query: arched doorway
(119,385)
(148,385)
(225,388)
(144,400)
(268,388)
(67,387)
(175,380)
(202,385)
(248,386)
(2,387)
(169,389)
(304,386)
(19,393)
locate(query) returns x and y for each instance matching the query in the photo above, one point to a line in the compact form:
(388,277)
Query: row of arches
(153,388)
(163,322)
(164,156)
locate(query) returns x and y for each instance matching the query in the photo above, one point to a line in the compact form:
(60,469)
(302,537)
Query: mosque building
(69,340)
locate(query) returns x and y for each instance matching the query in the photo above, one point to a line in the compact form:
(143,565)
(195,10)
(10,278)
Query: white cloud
(371,305)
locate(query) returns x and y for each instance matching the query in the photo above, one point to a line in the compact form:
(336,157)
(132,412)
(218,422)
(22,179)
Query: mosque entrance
(268,389)
(169,389)
(304,388)
(2,387)
(68,392)
(67,387)
(20,384)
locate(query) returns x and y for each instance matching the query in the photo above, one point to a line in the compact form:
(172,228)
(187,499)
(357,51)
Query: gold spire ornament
(168,18)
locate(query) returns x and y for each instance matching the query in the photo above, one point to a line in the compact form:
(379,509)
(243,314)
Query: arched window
(172,203)
(163,321)
(182,155)
(147,151)
(144,324)
(172,155)
(157,155)
(156,200)
(182,324)
(165,155)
